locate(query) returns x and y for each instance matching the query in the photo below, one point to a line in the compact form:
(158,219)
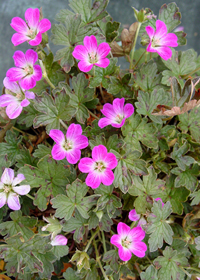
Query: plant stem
(139,59)
(91,238)
(93,114)
(104,242)
(48,81)
(30,196)
(63,124)
(44,74)
(192,268)
(133,49)
(101,91)
(194,71)
(98,261)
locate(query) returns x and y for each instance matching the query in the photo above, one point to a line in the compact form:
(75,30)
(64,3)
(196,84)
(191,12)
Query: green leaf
(170,265)
(158,228)
(60,251)
(112,258)
(28,114)
(196,198)
(149,274)
(116,86)
(197,242)
(47,260)
(170,15)
(181,38)
(25,158)
(61,16)
(42,151)
(71,274)
(111,30)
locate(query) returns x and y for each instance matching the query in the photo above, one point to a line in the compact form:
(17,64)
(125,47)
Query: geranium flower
(158,198)
(9,191)
(128,241)
(133,216)
(160,40)
(116,114)
(25,72)
(69,146)
(59,240)
(31,30)
(15,98)
(99,167)
(90,54)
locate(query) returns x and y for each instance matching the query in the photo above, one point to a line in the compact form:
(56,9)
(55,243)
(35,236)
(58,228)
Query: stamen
(93,57)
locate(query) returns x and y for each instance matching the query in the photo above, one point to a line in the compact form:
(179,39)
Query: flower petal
(110,160)
(15,74)
(81,142)
(80,52)
(19,25)
(158,198)
(37,72)
(169,40)
(90,42)
(44,25)
(118,106)
(124,254)
(93,180)
(18,39)
(118,125)
(123,230)
(150,48)
(107,177)
(29,94)
(136,234)
(133,216)
(13,110)
(86,165)
(128,110)
(3,199)
(116,240)
(73,131)
(150,31)
(108,111)
(85,66)
(99,152)
(28,82)
(59,240)
(22,190)
(103,62)
(58,153)
(164,52)
(25,103)
(103,50)
(32,17)
(73,156)
(57,135)
(31,57)
(6,99)
(7,176)
(13,201)
(20,177)
(161,29)
(19,59)
(138,249)
(12,86)
(37,40)
(104,122)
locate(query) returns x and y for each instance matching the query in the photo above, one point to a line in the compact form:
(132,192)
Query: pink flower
(178,29)
(31,30)
(133,216)
(16,102)
(116,114)
(160,41)
(157,199)
(99,167)
(90,54)
(128,241)
(59,240)
(69,146)
(25,72)
(9,193)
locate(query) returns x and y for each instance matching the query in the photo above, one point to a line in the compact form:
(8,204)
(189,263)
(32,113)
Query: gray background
(120,10)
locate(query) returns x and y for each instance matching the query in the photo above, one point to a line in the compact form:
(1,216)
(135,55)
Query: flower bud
(82,260)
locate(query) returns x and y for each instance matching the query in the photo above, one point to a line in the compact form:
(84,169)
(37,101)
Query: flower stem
(93,115)
(91,238)
(187,76)
(135,40)
(104,241)
(139,59)
(44,74)
(63,124)
(30,196)
(192,268)
(98,261)
(48,81)
(101,91)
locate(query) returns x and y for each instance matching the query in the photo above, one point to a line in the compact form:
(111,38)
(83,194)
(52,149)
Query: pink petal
(32,17)
(58,136)
(164,52)
(25,103)
(104,122)
(19,25)
(44,25)
(133,216)
(20,59)
(59,240)
(28,82)
(123,230)
(7,176)
(81,142)
(85,66)
(150,48)
(31,57)
(58,153)
(18,179)
(80,52)
(107,177)
(169,40)
(118,125)
(103,50)
(103,62)
(110,160)
(141,222)
(6,99)
(3,199)
(86,165)
(116,240)
(37,40)
(22,190)
(136,234)
(124,254)
(138,249)
(158,198)
(13,110)
(13,201)
(150,31)
(161,29)
(12,86)
(99,152)
(128,110)
(73,131)
(18,39)
(108,111)
(118,106)
(15,74)
(93,180)
(73,156)
(90,42)
(37,72)
(29,94)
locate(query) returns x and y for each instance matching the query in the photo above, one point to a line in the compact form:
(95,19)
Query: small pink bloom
(141,222)
(133,216)
(31,30)
(178,29)
(128,241)
(90,54)
(69,146)
(157,199)
(59,240)
(99,167)
(15,98)
(25,71)
(9,192)
(160,40)
(116,114)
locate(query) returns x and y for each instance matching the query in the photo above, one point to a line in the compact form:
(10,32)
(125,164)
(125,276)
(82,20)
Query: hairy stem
(63,124)
(99,262)
(133,49)
(91,238)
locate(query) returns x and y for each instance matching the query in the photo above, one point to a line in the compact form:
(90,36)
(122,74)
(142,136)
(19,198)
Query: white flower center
(126,243)
(119,118)
(156,42)
(28,70)
(68,145)
(99,166)
(31,33)
(7,188)
(93,57)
